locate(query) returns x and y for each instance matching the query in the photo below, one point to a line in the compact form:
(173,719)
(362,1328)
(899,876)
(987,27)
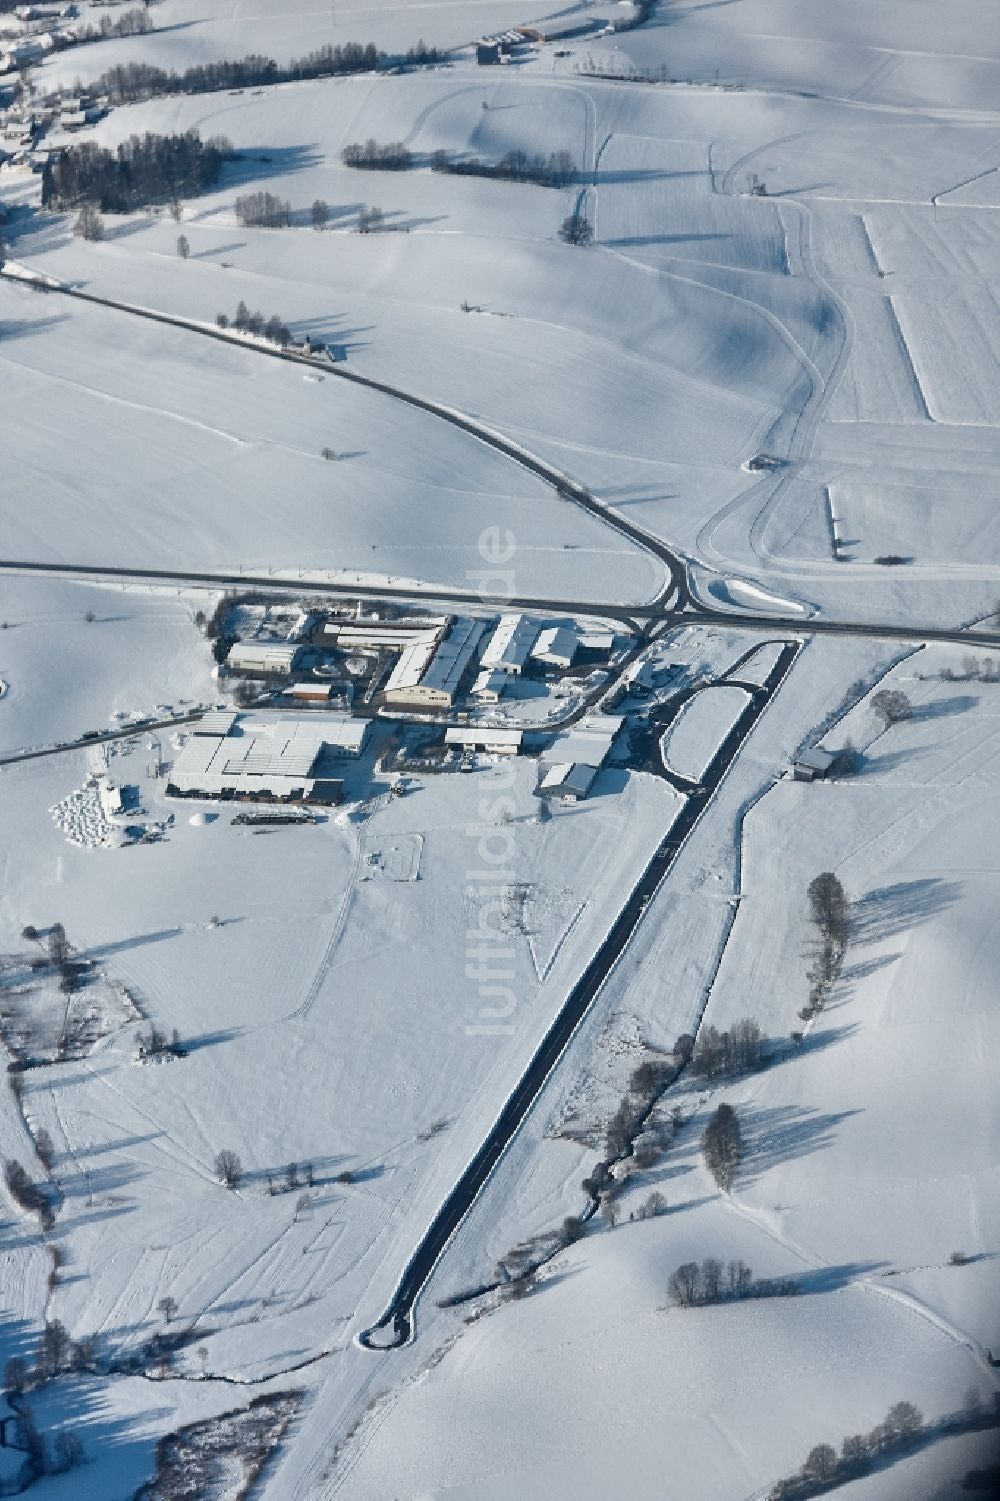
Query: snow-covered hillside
(743,448)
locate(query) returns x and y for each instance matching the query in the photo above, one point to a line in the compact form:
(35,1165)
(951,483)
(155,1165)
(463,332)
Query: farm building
(484,738)
(812,765)
(556,646)
(310,693)
(264,656)
(428,674)
(510,645)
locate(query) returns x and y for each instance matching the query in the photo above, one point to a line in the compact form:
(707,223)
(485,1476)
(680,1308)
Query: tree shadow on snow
(830,1279)
(940,708)
(256,164)
(889,910)
(782,1133)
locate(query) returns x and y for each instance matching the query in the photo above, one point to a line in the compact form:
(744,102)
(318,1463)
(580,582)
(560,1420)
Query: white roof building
(483,737)
(215,722)
(489,686)
(810,765)
(567,780)
(385,635)
(588,742)
(556,645)
(429,673)
(266,759)
(264,656)
(593,640)
(510,645)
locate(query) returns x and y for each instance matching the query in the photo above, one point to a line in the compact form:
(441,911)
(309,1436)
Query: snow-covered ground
(784,388)
(870,1153)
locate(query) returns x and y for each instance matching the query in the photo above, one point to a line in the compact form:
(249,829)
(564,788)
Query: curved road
(567,488)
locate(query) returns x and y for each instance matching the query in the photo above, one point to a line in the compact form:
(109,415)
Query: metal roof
(482,735)
(511,642)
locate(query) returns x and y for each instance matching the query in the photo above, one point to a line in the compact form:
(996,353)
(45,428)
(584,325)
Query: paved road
(83,742)
(691,613)
(395,1327)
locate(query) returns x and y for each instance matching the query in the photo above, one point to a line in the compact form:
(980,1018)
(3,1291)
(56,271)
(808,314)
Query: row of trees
(24,1191)
(229,1170)
(824,1468)
(393,156)
(714,1281)
(244,321)
(829,910)
(156,1045)
(732,1052)
(143,170)
(263,211)
(136,22)
(557,170)
(722,1145)
(127,82)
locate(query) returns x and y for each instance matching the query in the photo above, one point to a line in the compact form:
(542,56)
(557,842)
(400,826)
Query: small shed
(812,765)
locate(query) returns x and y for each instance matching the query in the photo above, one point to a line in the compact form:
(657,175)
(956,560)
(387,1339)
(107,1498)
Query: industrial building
(489,686)
(510,645)
(566,781)
(574,758)
(429,673)
(588,742)
(315,692)
(383,635)
(269,657)
(484,738)
(266,760)
(556,647)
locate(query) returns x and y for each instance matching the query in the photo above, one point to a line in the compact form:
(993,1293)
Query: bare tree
(183,248)
(722,1145)
(67,1450)
(229,1169)
(904,1420)
(370,220)
(89,225)
(320,214)
(43,1146)
(176,211)
(58,945)
(168,1307)
(685,1284)
(821,1463)
(891,705)
(576,229)
(16,1376)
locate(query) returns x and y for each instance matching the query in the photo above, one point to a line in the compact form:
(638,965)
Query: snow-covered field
(702,327)
(870,1154)
(791,390)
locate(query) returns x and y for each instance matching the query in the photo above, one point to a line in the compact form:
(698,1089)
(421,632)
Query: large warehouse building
(267,760)
(429,673)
